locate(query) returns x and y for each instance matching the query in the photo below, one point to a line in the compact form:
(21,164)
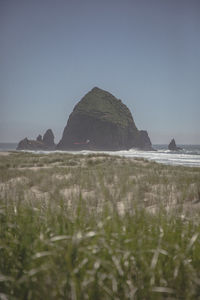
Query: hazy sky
(145,52)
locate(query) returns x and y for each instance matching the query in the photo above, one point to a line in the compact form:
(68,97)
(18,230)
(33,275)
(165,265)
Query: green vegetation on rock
(103,105)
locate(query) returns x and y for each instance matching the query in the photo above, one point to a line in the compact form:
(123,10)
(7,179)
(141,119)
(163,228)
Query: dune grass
(98,227)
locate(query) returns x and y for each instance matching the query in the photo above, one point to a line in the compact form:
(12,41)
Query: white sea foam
(165,157)
(168,158)
(162,156)
(189,156)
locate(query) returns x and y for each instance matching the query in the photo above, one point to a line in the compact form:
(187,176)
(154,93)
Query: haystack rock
(102,122)
(47,143)
(172,146)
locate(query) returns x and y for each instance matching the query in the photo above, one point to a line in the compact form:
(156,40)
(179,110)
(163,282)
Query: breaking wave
(188,156)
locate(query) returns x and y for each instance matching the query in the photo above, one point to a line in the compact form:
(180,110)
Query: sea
(188,156)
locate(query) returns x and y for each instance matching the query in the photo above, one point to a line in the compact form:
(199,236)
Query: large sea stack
(102,122)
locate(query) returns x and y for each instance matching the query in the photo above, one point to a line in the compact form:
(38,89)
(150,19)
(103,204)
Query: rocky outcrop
(144,141)
(27,144)
(172,146)
(102,122)
(39,138)
(48,138)
(47,143)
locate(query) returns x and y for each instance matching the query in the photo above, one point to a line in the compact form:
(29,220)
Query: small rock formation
(172,146)
(47,143)
(39,138)
(27,144)
(102,122)
(48,138)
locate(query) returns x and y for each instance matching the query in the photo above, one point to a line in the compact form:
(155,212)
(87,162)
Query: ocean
(188,156)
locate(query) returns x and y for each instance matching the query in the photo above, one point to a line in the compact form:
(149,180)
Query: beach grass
(98,227)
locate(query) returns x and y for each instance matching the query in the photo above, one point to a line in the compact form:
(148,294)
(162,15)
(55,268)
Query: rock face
(102,122)
(48,138)
(47,143)
(27,144)
(172,146)
(39,138)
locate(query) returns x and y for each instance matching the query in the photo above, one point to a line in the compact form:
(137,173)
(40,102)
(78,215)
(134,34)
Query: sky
(144,52)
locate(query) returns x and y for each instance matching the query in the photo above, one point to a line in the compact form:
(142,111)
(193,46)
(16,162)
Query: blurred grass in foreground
(83,227)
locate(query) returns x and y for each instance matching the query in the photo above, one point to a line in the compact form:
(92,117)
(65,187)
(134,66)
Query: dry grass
(98,227)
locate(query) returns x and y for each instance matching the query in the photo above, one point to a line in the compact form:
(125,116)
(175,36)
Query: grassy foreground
(98,227)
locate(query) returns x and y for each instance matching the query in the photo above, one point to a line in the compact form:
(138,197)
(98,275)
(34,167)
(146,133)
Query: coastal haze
(146,53)
(99,149)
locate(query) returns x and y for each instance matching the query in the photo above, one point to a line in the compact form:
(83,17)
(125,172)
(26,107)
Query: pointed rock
(172,146)
(48,138)
(39,138)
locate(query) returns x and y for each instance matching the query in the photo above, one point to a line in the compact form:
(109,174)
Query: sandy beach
(4,153)
(126,181)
